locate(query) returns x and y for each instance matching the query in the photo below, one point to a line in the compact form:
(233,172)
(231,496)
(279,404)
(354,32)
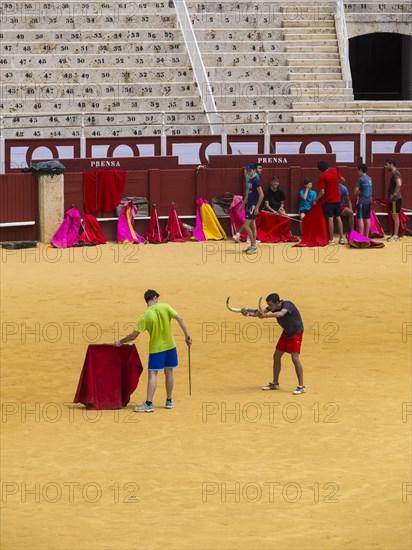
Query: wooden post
(51,205)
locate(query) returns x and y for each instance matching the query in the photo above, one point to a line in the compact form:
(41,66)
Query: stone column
(51,205)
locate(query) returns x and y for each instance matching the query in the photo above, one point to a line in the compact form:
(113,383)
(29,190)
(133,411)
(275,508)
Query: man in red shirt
(328,185)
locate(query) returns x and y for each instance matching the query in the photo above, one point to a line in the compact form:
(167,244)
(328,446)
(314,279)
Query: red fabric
(154,235)
(329,181)
(175,230)
(103,189)
(314,228)
(109,376)
(403,219)
(290,345)
(92,232)
(273,229)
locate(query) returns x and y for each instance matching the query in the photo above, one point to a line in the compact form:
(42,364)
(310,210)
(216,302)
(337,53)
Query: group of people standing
(333,194)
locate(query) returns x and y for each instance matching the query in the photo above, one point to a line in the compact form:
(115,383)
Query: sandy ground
(231,467)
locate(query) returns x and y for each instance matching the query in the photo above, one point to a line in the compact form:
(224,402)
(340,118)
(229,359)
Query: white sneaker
(394,238)
(331,242)
(236,237)
(299,389)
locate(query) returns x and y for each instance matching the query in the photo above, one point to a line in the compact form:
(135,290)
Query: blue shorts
(158,361)
(363,211)
(250,211)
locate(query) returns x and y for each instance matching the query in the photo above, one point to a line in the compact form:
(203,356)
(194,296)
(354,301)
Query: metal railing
(343,42)
(199,71)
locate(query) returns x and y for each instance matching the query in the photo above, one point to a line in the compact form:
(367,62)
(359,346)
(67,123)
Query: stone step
(91,7)
(242,34)
(292,35)
(234,59)
(247,72)
(81,47)
(260,20)
(84,75)
(311,49)
(345,127)
(118,103)
(88,34)
(326,25)
(56,120)
(152,20)
(103,60)
(314,61)
(374,7)
(315,76)
(317,68)
(350,117)
(109,131)
(99,90)
(356,106)
(379,17)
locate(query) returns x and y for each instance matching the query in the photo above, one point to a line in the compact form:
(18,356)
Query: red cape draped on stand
(109,376)
(154,234)
(92,231)
(273,229)
(314,228)
(403,219)
(175,230)
(103,189)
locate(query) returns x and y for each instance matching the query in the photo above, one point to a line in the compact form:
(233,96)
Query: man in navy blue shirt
(290,341)
(251,203)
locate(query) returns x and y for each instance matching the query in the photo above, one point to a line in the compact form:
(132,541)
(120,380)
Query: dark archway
(380,66)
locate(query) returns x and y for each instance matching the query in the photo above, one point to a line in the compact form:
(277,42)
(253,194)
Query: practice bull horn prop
(240,309)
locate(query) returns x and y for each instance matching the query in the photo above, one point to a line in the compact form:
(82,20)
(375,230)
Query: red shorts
(290,345)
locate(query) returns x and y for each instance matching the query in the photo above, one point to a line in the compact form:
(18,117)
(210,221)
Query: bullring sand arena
(232,466)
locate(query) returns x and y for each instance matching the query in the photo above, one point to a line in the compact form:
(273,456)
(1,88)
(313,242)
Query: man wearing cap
(251,203)
(162,348)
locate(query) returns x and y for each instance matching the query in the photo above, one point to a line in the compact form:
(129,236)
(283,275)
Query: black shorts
(331,209)
(363,211)
(396,206)
(250,211)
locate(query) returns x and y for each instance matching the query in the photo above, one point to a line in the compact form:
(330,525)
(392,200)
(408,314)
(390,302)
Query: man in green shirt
(162,348)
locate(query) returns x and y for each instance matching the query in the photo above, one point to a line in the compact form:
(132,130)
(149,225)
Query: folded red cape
(109,376)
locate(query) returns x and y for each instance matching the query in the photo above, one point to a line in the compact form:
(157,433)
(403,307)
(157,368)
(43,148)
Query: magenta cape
(125,230)
(273,229)
(207,224)
(175,230)
(237,217)
(356,240)
(68,233)
(314,228)
(376,228)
